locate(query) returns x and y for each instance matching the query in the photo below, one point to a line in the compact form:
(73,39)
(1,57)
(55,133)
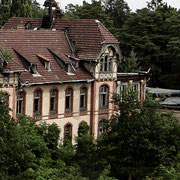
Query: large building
(62,71)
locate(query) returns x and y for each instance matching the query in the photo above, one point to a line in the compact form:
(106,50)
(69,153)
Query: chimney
(47,20)
(58,14)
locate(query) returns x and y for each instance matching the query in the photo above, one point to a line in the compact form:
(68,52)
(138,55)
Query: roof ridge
(101,24)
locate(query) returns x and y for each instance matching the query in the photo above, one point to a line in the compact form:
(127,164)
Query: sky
(133,4)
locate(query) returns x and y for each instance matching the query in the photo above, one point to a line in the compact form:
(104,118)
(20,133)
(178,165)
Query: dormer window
(47,65)
(45,61)
(106,61)
(33,68)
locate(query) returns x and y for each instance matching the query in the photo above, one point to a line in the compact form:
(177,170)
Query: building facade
(65,74)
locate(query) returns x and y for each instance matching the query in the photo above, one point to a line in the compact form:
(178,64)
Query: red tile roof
(87,35)
(28,44)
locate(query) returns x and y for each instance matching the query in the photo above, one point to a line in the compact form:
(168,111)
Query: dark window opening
(103,97)
(83,99)
(68,103)
(53,101)
(105,64)
(37,103)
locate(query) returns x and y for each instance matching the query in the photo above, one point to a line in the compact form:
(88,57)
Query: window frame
(22,101)
(39,112)
(84,107)
(101,127)
(103,93)
(55,103)
(70,101)
(71,130)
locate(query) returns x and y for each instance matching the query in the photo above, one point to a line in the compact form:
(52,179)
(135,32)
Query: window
(103,97)
(123,90)
(83,99)
(53,101)
(101,65)
(106,61)
(102,126)
(135,87)
(20,102)
(68,103)
(37,102)
(110,64)
(67,133)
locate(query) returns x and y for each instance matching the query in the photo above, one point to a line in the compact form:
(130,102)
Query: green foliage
(139,139)
(154,36)
(21,8)
(89,11)
(6,54)
(118,10)
(4,11)
(83,129)
(87,154)
(130,64)
(37,11)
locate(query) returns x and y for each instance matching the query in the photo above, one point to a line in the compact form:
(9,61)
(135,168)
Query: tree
(21,8)
(152,40)
(118,10)
(4,11)
(89,11)
(130,64)
(37,11)
(154,4)
(138,139)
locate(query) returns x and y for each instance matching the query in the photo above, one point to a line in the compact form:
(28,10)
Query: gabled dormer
(45,61)
(106,68)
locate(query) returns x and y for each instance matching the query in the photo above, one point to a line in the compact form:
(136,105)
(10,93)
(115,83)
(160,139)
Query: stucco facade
(48,79)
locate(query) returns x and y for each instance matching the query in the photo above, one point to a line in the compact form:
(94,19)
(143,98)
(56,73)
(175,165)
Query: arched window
(53,101)
(68,100)
(110,64)
(101,65)
(37,103)
(103,97)
(67,133)
(20,102)
(106,63)
(83,99)
(102,126)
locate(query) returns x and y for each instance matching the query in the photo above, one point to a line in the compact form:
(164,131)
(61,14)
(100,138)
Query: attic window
(33,68)
(47,65)
(28,25)
(70,69)
(45,61)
